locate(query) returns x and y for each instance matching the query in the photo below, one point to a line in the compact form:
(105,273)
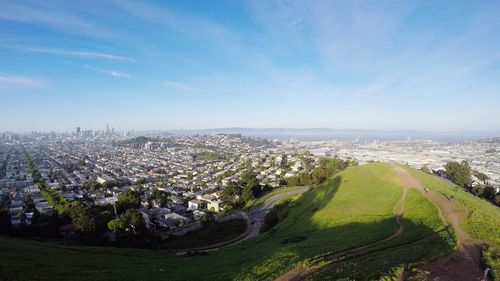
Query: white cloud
(7,81)
(71,53)
(113,73)
(178,86)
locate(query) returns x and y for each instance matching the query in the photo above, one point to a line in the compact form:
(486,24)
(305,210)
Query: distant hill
(341,134)
(355,214)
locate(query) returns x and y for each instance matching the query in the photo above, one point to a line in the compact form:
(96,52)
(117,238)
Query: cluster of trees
(235,195)
(33,169)
(129,226)
(129,199)
(89,222)
(461,174)
(325,168)
(484,189)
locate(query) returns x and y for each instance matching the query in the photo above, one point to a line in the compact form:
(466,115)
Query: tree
(251,186)
(304,178)
(326,168)
(293,181)
(82,218)
(426,169)
(489,192)
(231,194)
(129,199)
(161,195)
(459,173)
(208,219)
(478,190)
(247,194)
(128,226)
(249,178)
(5,223)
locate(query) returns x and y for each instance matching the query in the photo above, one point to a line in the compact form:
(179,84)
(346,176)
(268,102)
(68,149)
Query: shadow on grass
(262,258)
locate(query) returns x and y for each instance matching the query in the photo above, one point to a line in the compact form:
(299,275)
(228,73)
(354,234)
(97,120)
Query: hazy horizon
(307,134)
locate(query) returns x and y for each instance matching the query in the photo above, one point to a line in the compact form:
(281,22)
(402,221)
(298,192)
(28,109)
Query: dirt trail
(299,273)
(465,262)
(462,265)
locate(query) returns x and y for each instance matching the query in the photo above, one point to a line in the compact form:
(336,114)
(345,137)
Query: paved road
(254,218)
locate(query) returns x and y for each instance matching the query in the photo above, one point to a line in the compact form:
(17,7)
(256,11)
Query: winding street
(254,218)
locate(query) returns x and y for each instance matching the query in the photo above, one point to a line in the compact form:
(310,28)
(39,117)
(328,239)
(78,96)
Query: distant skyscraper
(107,128)
(77,131)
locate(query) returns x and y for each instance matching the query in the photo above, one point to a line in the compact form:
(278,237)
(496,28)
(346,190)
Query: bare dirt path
(299,273)
(463,264)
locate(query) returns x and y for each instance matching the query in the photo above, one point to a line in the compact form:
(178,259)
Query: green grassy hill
(354,208)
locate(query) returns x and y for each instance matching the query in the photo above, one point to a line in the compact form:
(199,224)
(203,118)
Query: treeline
(325,168)
(235,195)
(461,174)
(33,170)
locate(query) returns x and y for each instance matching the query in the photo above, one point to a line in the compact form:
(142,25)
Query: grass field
(424,238)
(481,219)
(353,208)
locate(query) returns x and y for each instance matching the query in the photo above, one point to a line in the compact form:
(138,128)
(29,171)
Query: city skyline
(262,64)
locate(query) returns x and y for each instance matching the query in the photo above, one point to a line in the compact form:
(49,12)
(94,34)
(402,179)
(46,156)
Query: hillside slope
(355,208)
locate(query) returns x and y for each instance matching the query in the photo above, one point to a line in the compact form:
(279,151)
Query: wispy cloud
(113,73)
(70,53)
(8,81)
(50,16)
(285,20)
(190,25)
(378,85)
(178,86)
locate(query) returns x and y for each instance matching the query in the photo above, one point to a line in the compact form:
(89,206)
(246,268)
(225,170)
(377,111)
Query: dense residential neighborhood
(190,170)
(176,181)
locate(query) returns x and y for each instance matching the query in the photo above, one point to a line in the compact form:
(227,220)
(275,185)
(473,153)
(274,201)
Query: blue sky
(392,65)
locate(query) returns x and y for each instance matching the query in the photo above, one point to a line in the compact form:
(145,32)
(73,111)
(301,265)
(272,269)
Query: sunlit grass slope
(424,238)
(481,219)
(353,208)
